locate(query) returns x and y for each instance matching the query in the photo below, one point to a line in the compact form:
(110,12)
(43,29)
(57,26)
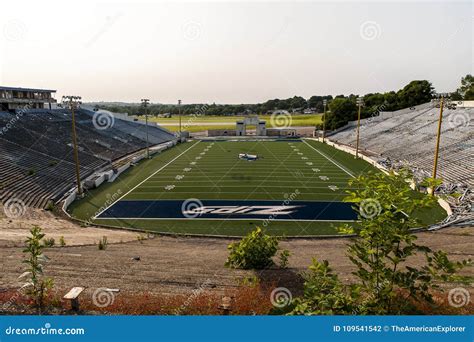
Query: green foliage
(62,241)
(383,254)
(283,257)
(37,287)
(254,251)
(342,110)
(49,242)
(466,89)
(324,294)
(103,243)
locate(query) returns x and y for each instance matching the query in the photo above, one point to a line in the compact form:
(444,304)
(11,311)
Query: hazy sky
(232,52)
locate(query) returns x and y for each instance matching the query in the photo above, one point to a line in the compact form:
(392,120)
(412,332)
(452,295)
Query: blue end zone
(230,210)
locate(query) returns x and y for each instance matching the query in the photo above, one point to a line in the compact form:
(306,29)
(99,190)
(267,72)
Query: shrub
(284,256)
(103,243)
(49,242)
(324,294)
(37,287)
(255,251)
(62,241)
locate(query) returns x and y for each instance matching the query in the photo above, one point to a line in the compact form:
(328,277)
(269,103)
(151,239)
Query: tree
(385,244)
(415,93)
(342,110)
(466,90)
(37,286)
(388,280)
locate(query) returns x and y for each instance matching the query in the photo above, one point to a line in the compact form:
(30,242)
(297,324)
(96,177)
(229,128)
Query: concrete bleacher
(36,154)
(409,136)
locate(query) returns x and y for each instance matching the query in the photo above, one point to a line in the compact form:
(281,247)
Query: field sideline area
(306,179)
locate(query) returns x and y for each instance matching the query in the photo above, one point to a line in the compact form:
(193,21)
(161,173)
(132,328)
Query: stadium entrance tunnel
(230,210)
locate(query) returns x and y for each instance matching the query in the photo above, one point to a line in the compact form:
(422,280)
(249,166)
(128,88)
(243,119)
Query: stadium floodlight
(145,103)
(360,103)
(325,102)
(179,115)
(73,102)
(443,99)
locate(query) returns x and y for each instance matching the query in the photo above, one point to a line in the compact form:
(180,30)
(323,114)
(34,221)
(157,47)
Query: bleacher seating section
(36,155)
(410,137)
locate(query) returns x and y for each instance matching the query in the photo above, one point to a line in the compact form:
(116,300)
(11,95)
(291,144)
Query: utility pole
(360,103)
(179,115)
(438,138)
(325,102)
(145,105)
(73,102)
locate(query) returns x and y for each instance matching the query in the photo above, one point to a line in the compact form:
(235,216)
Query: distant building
(12,98)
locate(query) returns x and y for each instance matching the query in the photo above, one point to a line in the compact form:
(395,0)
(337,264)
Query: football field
(294,187)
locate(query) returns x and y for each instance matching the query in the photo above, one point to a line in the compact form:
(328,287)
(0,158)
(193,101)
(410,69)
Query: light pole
(438,136)
(145,105)
(360,103)
(325,102)
(73,102)
(179,115)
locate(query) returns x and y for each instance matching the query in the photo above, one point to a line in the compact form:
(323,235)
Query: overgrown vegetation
(37,286)
(103,243)
(254,251)
(388,281)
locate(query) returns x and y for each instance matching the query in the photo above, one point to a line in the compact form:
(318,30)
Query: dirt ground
(174,265)
(13,231)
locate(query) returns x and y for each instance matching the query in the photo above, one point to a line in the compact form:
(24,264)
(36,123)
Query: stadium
(161,206)
(251,171)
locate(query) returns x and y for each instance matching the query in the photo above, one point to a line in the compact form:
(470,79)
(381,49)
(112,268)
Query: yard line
(154,173)
(331,160)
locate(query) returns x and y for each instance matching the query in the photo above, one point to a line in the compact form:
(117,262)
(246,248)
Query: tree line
(342,108)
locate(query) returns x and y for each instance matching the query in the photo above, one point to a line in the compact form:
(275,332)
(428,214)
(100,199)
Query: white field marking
(237,186)
(217,219)
(333,187)
(154,173)
(169,187)
(331,160)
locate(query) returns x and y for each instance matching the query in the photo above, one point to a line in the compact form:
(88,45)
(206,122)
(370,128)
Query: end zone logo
(243,210)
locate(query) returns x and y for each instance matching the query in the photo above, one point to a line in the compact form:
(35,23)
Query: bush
(62,241)
(284,256)
(324,294)
(255,251)
(103,243)
(49,242)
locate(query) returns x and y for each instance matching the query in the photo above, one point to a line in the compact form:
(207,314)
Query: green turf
(207,170)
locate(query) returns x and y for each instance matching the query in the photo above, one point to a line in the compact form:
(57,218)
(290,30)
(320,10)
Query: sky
(232,52)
